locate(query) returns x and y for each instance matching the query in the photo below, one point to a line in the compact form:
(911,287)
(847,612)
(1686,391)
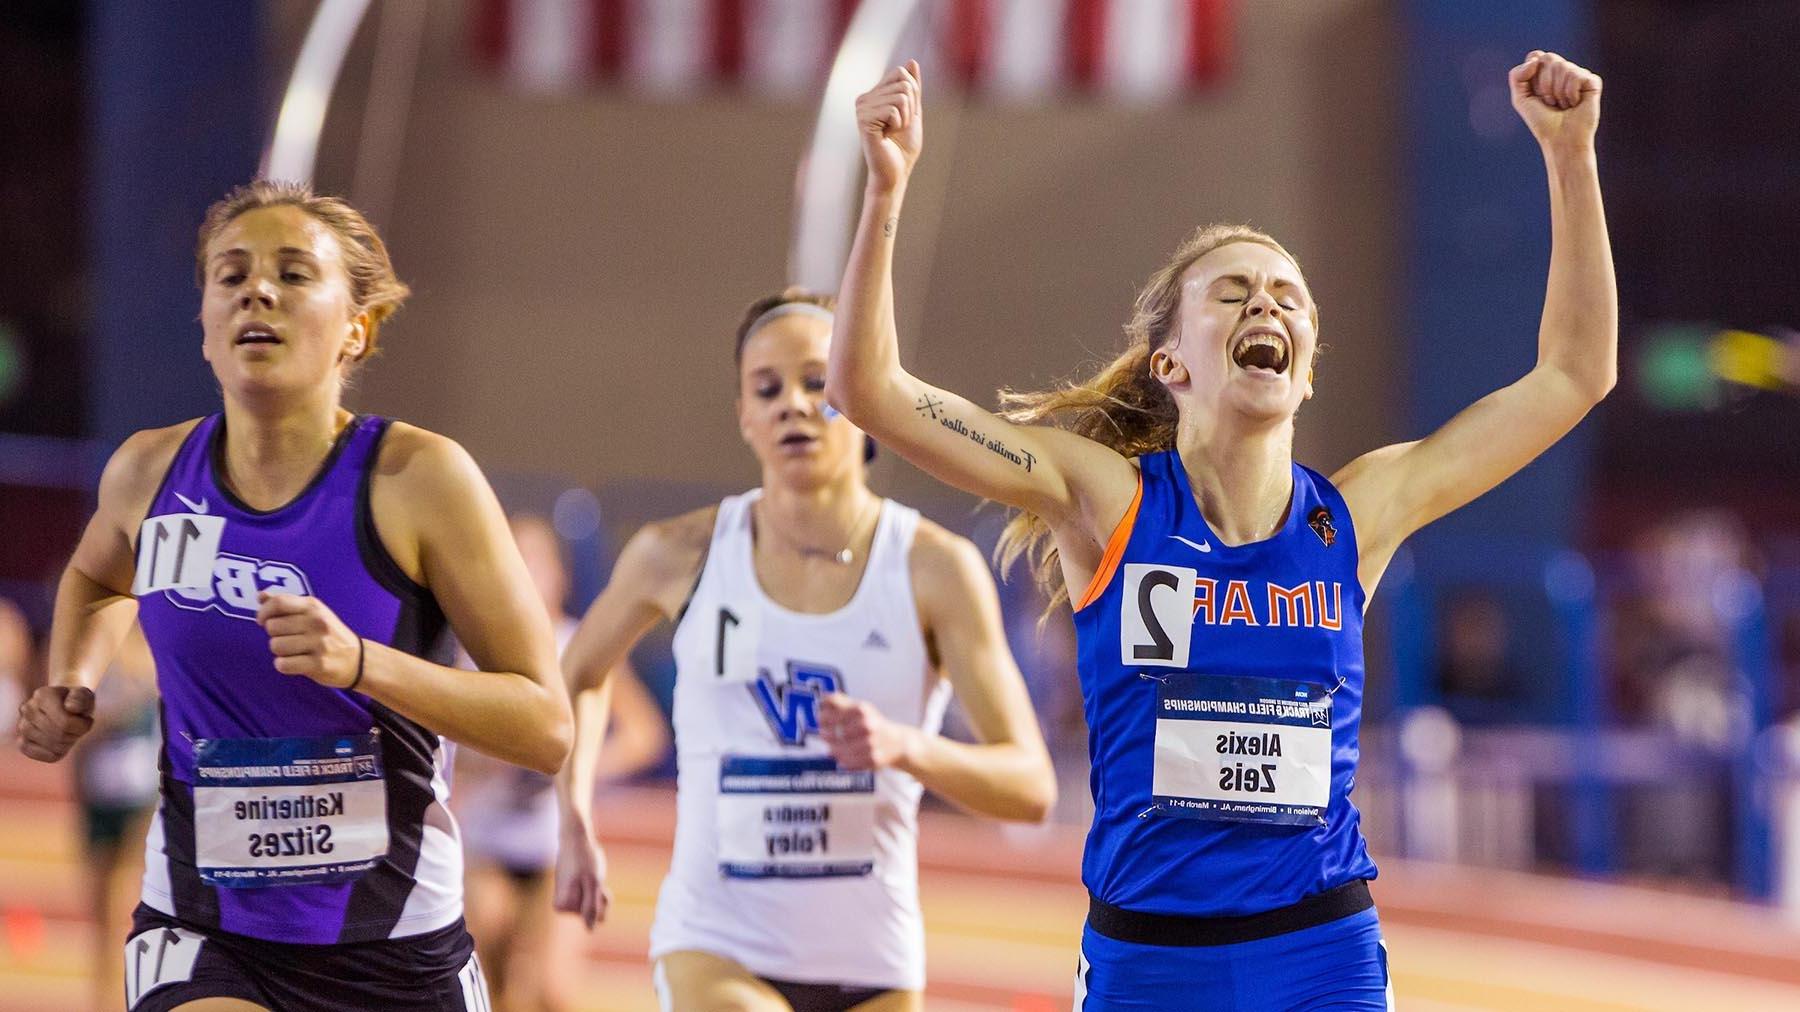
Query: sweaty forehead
(1249,259)
(267,229)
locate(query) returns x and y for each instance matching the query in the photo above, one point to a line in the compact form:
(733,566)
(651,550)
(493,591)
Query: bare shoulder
(662,560)
(423,461)
(674,547)
(136,469)
(945,565)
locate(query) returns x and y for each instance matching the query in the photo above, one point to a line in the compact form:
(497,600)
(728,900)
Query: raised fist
(1557,99)
(890,118)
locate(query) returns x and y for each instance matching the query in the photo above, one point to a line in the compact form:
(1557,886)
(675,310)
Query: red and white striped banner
(1024,50)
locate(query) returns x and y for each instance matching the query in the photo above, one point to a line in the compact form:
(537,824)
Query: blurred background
(1581,762)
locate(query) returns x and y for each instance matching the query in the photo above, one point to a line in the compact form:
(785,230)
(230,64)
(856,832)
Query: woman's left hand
(859,737)
(307,638)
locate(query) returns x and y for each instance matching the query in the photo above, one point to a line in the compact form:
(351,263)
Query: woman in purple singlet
(297,570)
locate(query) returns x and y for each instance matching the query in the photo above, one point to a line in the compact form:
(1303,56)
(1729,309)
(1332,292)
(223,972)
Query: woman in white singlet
(819,630)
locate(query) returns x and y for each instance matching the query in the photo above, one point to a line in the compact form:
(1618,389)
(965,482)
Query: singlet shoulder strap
(729,522)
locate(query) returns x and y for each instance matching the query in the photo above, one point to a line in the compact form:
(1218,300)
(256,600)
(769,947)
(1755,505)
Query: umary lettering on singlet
(1309,604)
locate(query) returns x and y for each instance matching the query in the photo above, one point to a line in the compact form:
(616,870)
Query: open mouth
(257,333)
(798,440)
(1262,349)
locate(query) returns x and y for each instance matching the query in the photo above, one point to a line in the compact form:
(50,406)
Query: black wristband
(354,682)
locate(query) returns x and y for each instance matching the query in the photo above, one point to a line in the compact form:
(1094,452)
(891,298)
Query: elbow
(843,392)
(1605,382)
(856,393)
(1036,797)
(1594,388)
(555,740)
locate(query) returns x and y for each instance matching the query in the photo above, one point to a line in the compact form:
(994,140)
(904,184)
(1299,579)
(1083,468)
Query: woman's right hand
(890,118)
(580,886)
(53,719)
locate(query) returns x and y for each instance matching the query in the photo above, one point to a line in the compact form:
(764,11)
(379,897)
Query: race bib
(287,811)
(157,957)
(176,551)
(795,818)
(1242,749)
(735,640)
(1156,616)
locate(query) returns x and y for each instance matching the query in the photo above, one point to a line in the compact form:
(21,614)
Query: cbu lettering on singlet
(1222,687)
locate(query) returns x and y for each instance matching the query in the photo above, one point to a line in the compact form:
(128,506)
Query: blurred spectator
(1672,650)
(1674,674)
(1476,679)
(17,670)
(510,823)
(116,785)
(1045,650)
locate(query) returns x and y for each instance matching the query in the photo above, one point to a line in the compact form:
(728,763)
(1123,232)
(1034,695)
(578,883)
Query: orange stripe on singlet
(1115,550)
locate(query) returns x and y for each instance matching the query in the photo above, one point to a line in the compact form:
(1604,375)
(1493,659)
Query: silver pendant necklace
(843,556)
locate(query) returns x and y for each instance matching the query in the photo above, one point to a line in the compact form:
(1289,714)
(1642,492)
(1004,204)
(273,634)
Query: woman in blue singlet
(296,569)
(1217,586)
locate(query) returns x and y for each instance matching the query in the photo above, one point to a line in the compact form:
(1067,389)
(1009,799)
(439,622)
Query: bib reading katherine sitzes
(286,811)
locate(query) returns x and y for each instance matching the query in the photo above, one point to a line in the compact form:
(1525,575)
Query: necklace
(843,556)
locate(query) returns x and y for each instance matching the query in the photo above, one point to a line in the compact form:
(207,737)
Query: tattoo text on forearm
(933,408)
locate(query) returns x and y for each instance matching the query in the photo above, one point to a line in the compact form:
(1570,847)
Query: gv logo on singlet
(792,708)
(236,581)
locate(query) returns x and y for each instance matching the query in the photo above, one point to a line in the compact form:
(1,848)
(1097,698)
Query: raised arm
(1008,774)
(1041,469)
(649,583)
(94,606)
(1398,489)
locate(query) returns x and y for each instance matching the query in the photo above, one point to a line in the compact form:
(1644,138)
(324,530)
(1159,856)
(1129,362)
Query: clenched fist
(53,719)
(890,117)
(1557,99)
(859,737)
(307,638)
(580,886)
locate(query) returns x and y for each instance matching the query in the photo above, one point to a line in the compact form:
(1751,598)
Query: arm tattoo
(933,408)
(888,226)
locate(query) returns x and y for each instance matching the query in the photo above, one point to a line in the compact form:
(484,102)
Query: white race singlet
(791,867)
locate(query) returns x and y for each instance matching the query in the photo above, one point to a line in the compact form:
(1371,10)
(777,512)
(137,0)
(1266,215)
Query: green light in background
(12,363)
(1675,369)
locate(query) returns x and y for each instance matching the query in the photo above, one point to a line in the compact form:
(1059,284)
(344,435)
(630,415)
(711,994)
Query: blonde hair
(1122,405)
(374,287)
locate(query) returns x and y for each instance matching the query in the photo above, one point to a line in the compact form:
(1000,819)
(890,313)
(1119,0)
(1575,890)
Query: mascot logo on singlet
(792,709)
(237,579)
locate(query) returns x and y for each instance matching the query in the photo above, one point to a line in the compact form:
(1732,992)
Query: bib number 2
(1156,617)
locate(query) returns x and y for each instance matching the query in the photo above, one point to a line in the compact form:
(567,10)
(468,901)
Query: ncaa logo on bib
(236,580)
